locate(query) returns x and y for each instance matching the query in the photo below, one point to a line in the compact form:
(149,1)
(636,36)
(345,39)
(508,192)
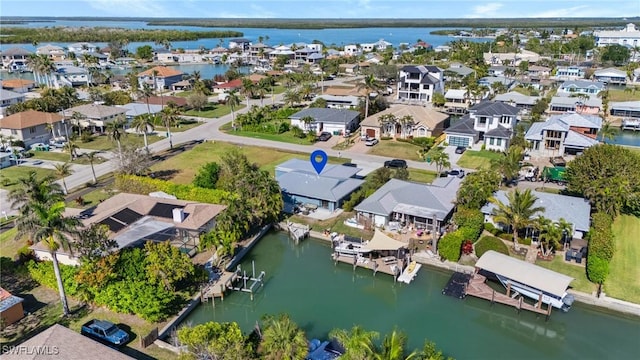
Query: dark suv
(324,136)
(395,164)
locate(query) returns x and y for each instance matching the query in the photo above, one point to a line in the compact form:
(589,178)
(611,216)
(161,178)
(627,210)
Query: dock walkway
(478,288)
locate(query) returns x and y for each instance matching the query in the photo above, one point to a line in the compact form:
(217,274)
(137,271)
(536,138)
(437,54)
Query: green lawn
(9,176)
(423,176)
(623,281)
(581,283)
(64,157)
(91,199)
(621,95)
(396,149)
(9,245)
(335,224)
(184,166)
(184,125)
(183,94)
(213,110)
(103,142)
(477,159)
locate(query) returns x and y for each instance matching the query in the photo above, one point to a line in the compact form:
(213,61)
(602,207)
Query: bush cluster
(487,243)
(145,185)
(601,247)
(470,224)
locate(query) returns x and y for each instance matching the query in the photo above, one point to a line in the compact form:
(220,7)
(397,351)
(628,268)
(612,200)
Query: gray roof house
(582,87)
(490,122)
(95,115)
(426,206)
(518,100)
(625,108)
(335,121)
(564,103)
(135,109)
(569,133)
(611,76)
(574,210)
(301,185)
(418,83)
(8,98)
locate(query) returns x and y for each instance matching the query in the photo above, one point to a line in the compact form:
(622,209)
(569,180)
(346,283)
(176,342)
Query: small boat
(349,248)
(322,350)
(411,267)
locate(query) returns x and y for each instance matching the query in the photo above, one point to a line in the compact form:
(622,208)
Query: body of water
(627,138)
(303,281)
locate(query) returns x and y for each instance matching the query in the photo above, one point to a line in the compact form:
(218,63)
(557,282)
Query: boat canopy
(381,241)
(525,273)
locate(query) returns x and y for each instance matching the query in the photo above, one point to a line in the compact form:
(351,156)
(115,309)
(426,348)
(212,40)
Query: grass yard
(621,95)
(623,281)
(10,175)
(186,165)
(396,149)
(477,159)
(213,110)
(64,157)
(91,199)
(9,244)
(335,224)
(102,142)
(423,176)
(286,137)
(184,125)
(580,282)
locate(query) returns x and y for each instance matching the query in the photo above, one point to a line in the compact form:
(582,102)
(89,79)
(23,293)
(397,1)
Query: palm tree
(170,118)
(92,157)
(550,236)
(143,124)
(440,158)
(406,121)
(357,343)
(607,131)
(307,120)
(247,89)
(393,347)
(233,100)
(63,170)
(45,222)
(35,189)
(369,84)
(387,122)
(291,97)
(283,340)
(72,148)
(508,164)
(518,213)
(75,119)
(115,133)
(262,88)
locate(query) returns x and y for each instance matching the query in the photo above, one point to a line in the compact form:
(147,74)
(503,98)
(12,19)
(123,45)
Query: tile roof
(27,119)
(163,71)
(16,51)
(16,83)
(164,100)
(421,115)
(332,116)
(491,108)
(96,111)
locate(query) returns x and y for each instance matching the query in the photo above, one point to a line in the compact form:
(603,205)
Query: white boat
(348,248)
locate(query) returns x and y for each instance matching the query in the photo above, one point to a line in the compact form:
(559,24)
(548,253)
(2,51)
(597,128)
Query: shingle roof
(577,140)
(27,119)
(499,132)
(491,108)
(69,344)
(516,97)
(163,71)
(135,109)
(429,79)
(462,126)
(317,186)
(16,51)
(96,111)
(580,84)
(7,300)
(332,116)
(8,95)
(610,72)
(330,170)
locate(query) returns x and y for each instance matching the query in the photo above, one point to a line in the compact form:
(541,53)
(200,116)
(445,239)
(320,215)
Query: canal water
(303,281)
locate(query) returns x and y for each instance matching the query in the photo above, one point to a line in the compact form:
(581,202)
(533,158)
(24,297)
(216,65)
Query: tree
(92,157)
(93,243)
(550,235)
(197,101)
(143,124)
(63,170)
(46,223)
(393,347)
(307,120)
(617,54)
(440,158)
(115,133)
(607,131)
(33,189)
(607,175)
(508,164)
(144,52)
(517,213)
(370,85)
(207,176)
(170,118)
(72,148)
(357,343)
(282,340)
(438,99)
(166,264)
(233,100)
(213,340)
(248,88)
(133,161)
(291,97)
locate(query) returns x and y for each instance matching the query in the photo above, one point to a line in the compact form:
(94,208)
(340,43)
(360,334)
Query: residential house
(235,84)
(574,210)
(182,85)
(16,59)
(538,71)
(442,48)
(315,58)
(351,50)
(10,308)
(301,185)
(282,51)
(54,52)
(82,48)
(629,36)
(340,102)
(8,98)
(163,55)
(240,43)
(349,69)
(409,121)
(582,105)
(303,54)
(420,82)
(582,87)
(521,101)
(610,76)
(160,77)
(570,73)
(259,51)
(456,101)
(511,58)
(6,159)
(95,116)
(421,206)
(164,100)
(459,70)
(497,70)
(422,45)
(135,219)
(68,75)
(379,45)
(625,109)
(335,121)
(489,122)
(99,58)
(59,341)
(489,81)
(20,86)
(568,133)
(137,109)
(32,126)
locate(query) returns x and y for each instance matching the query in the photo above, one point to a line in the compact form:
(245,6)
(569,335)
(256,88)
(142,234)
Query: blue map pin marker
(318,160)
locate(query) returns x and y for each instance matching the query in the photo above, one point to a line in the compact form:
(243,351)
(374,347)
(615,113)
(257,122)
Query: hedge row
(145,185)
(601,247)
(470,224)
(487,243)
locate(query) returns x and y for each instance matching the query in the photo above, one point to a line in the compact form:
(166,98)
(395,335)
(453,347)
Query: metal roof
(324,115)
(525,273)
(317,186)
(576,140)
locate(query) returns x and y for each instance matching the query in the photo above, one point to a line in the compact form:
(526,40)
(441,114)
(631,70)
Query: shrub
(489,227)
(467,247)
(86,137)
(42,272)
(450,244)
(145,185)
(472,220)
(597,269)
(25,254)
(386,137)
(487,243)
(506,236)
(525,241)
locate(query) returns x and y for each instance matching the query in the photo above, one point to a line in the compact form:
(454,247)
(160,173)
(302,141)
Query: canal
(303,282)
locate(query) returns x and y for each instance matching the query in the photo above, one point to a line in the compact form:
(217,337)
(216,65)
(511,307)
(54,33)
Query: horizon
(329,9)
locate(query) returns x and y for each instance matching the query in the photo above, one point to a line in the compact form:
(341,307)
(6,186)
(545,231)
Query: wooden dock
(376,265)
(236,281)
(297,231)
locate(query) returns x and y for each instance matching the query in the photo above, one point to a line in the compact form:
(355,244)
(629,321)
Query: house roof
(70,70)
(9,95)
(135,109)
(460,69)
(577,140)
(610,72)
(163,72)
(352,100)
(69,344)
(317,186)
(46,49)
(525,273)
(625,105)
(16,51)
(517,98)
(95,111)
(27,119)
(582,84)
(574,210)
(342,91)
(381,241)
(330,170)
(423,69)
(579,120)
(456,94)
(16,83)
(164,100)
(421,115)
(499,132)
(324,115)
(7,300)
(82,44)
(462,126)
(233,84)
(491,108)
(423,200)
(573,101)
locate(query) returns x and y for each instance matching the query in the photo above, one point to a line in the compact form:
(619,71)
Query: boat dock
(295,230)
(410,272)
(630,124)
(388,265)
(236,281)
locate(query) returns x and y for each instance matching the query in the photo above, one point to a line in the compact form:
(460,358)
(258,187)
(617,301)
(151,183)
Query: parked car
(371,142)
(456,173)
(40,147)
(395,164)
(350,164)
(10,149)
(106,331)
(460,149)
(58,144)
(324,136)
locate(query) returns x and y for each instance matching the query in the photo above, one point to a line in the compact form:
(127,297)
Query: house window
(505,120)
(425,87)
(32,130)
(482,121)
(499,142)
(14,132)
(490,141)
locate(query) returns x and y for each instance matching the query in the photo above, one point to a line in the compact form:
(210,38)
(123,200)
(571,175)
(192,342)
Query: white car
(371,141)
(10,149)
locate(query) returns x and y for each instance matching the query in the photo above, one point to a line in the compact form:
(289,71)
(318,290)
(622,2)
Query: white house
(351,50)
(420,82)
(582,87)
(456,101)
(569,133)
(335,121)
(82,48)
(521,101)
(610,76)
(570,73)
(489,122)
(630,36)
(70,76)
(340,102)
(378,45)
(8,98)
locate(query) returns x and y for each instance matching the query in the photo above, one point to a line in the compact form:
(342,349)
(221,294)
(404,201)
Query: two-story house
(8,98)
(629,36)
(570,73)
(456,101)
(521,101)
(31,126)
(610,76)
(82,48)
(160,77)
(16,59)
(94,116)
(488,122)
(420,82)
(569,133)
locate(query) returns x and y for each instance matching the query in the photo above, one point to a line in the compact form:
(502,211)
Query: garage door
(459,141)
(371,133)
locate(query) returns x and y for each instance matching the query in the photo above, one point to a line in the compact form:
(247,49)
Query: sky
(323,8)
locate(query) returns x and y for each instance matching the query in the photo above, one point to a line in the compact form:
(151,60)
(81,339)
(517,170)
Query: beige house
(419,121)
(135,219)
(94,115)
(32,126)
